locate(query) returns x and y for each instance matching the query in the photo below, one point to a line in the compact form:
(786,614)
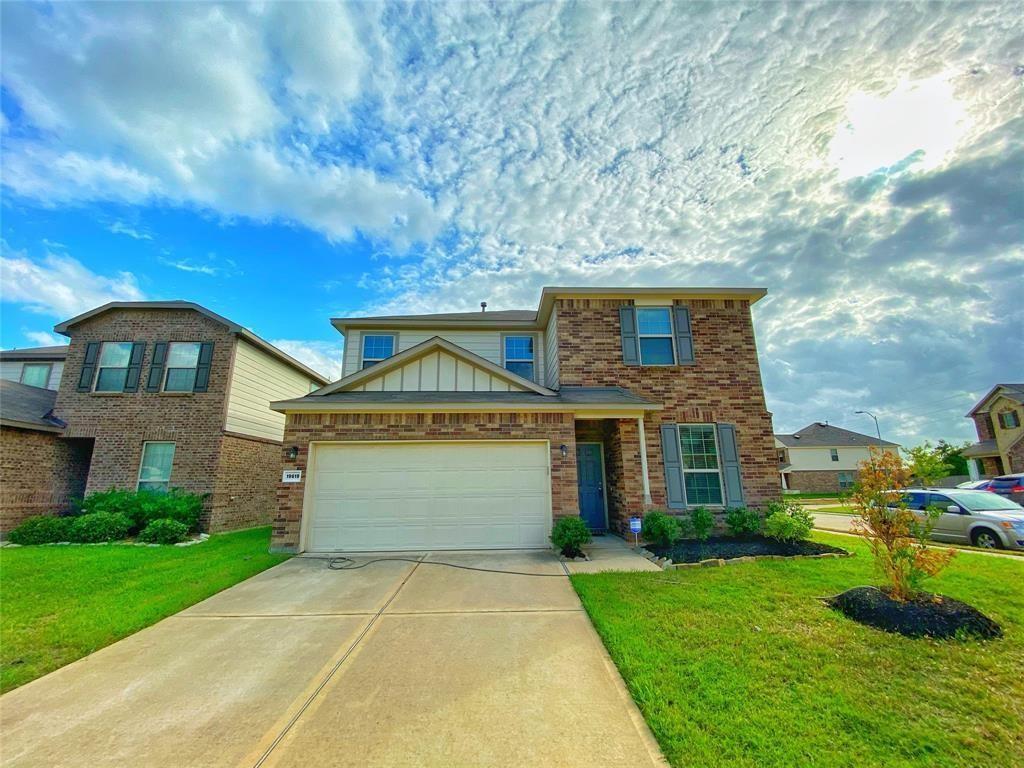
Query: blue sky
(283,163)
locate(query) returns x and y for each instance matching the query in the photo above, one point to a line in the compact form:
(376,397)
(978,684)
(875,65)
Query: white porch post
(972,469)
(643,461)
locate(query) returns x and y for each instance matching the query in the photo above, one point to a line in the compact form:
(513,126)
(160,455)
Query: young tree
(926,464)
(953,455)
(896,536)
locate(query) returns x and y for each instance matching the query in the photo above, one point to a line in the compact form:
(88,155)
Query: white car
(971,517)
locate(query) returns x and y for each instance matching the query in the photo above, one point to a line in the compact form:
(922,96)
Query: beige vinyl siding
(438,372)
(257,380)
(551,352)
(10,370)
(486,344)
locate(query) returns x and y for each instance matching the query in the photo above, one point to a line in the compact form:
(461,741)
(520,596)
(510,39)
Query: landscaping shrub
(742,521)
(569,534)
(44,529)
(165,531)
(702,520)
(100,526)
(787,521)
(143,507)
(660,529)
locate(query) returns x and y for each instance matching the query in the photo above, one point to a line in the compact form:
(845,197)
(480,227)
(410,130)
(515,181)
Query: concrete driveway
(395,664)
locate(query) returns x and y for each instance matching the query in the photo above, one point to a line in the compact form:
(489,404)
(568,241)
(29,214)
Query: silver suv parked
(972,517)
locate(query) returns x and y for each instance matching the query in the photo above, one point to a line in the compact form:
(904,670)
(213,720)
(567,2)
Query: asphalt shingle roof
(35,353)
(820,435)
(566,395)
(27,407)
(501,315)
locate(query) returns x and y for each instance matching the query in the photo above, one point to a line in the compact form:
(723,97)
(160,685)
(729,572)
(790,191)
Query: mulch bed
(727,548)
(925,616)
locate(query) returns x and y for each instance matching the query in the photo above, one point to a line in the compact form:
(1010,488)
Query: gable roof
(28,407)
(433,344)
(177,304)
(1013,392)
(535,319)
(821,435)
(36,353)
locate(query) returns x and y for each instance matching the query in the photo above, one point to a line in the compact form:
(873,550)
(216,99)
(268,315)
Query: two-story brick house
(157,395)
(476,430)
(999,420)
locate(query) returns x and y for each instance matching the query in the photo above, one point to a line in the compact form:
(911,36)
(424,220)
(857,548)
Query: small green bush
(787,521)
(743,522)
(660,529)
(702,520)
(166,531)
(100,526)
(44,529)
(569,534)
(143,507)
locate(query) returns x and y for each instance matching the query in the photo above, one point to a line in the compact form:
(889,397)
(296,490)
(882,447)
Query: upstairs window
(519,355)
(1009,420)
(654,329)
(36,374)
(182,363)
(377,348)
(115,357)
(702,476)
(834,453)
(155,467)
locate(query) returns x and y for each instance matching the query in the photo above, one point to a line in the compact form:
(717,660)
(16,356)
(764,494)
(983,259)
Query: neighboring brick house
(822,458)
(477,429)
(170,394)
(999,421)
(34,366)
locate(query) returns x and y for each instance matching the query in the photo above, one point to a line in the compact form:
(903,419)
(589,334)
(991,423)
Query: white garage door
(442,495)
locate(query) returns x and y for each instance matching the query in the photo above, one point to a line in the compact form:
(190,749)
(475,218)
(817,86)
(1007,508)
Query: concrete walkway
(395,664)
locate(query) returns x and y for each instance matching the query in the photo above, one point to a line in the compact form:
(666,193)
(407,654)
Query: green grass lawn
(60,603)
(742,665)
(834,510)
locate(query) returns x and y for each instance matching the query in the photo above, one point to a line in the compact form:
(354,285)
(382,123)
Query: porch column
(972,469)
(643,462)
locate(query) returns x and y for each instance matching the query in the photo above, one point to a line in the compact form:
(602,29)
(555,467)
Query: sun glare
(922,117)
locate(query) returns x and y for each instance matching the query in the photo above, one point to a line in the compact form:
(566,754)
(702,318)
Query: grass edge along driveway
(60,603)
(742,665)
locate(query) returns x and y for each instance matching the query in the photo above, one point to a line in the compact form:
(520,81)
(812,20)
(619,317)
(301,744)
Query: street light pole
(877,430)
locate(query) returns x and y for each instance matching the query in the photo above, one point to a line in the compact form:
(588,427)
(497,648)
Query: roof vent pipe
(483,306)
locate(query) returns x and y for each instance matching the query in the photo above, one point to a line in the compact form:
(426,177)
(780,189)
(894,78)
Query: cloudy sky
(285,163)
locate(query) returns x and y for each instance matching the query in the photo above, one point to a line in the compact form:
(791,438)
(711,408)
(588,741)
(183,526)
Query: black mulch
(727,548)
(926,616)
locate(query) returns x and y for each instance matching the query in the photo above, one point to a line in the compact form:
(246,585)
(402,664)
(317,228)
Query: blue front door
(590,474)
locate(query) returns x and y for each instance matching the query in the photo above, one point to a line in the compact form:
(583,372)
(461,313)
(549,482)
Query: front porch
(612,472)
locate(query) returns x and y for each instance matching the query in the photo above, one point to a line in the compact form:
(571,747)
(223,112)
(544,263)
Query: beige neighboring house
(821,458)
(34,366)
(999,420)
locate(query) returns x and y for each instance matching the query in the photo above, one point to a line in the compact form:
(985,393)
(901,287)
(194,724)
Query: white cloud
(61,286)
(45,339)
(322,356)
(120,228)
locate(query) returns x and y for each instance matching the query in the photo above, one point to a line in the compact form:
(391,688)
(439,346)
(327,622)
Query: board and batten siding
(10,370)
(438,372)
(486,344)
(256,381)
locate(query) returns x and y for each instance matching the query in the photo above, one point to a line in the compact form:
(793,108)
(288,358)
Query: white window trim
(167,368)
(833,454)
(142,459)
(533,361)
(100,368)
(718,460)
(671,336)
(47,366)
(362,348)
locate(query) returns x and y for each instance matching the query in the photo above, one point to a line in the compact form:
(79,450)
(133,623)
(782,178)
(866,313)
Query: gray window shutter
(730,465)
(156,368)
(630,341)
(85,378)
(684,338)
(131,382)
(672,459)
(203,369)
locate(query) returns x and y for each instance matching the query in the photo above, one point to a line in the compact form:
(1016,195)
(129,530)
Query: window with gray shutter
(684,337)
(92,351)
(672,460)
(156,368)
(630,340)
(730,465)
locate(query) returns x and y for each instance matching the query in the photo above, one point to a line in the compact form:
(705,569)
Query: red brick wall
(1016,456)
(815,481)
(246,487)
(723,385)
(122,422)
(300,429)
(983,425)
(39,474)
